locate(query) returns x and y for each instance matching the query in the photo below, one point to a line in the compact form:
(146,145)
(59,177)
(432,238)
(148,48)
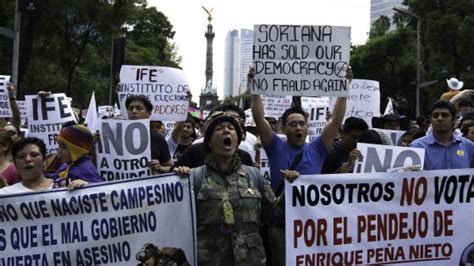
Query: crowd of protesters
(223,160)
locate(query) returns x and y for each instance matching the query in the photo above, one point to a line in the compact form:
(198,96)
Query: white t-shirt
(17,188)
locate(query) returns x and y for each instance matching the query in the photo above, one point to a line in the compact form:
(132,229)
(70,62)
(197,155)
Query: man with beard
(443,148)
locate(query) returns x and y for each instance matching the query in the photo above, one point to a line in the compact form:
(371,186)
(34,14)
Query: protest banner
(382,158)
(363,100)
(300,60)
(276,105)
(395,135)
(91,114)
(165,87)
(22,108)
(46,117)
(317,108)
(5,108)
(416,218)
(123,151)
(100,224)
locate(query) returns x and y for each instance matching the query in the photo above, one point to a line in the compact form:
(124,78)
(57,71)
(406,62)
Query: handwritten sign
(276,105)
(363,100)
(165,87)
(300,60)
(46,117)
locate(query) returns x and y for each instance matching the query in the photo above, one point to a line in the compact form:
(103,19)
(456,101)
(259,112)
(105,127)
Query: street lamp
(409,13)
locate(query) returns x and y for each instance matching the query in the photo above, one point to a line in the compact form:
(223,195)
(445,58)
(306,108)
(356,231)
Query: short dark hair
(354,123)
(230,107)
(293,110)
(466,126)
(444,105)
(140,98)
(18,146)
(370,136)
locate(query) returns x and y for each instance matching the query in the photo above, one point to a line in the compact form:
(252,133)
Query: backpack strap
(254,174)
(197,174)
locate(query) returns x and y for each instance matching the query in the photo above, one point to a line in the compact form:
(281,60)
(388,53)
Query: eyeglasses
(300,123)
(443,115)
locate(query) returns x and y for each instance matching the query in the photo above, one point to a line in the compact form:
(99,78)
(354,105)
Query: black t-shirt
(159,147)
(195,155)
(179,151)
(335,158)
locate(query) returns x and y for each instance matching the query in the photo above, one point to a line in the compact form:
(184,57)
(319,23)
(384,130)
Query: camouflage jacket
(240,243)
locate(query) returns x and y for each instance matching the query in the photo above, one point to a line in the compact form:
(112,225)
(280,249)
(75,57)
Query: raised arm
(333,125)
(263,127)
(176,133)
(16,120)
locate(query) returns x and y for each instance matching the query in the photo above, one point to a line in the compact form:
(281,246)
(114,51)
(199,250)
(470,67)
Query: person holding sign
(29,155)
(342,158)
(232,200)
(306,158)
(75,144)
(443,148)
(139,107)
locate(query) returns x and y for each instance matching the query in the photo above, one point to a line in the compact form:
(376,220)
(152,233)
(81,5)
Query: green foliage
(67,48)
(447,38)
(384,59)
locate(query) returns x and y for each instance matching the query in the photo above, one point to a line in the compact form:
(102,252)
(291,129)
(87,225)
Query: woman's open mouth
(227,143)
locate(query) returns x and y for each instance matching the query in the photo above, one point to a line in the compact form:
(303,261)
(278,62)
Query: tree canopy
(67,46)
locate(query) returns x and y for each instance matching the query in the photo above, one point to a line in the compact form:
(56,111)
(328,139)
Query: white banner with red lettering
(412,218)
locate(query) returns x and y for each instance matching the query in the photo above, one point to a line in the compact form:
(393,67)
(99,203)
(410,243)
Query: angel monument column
(209,36)
(208,98)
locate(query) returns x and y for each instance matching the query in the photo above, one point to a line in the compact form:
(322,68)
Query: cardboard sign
(5,108)
(276,105)
(417,218)
(300,60)
(381,158)
(123,151)
(102,224)
(22,108)
(46,117)
(165,87)
(363,100)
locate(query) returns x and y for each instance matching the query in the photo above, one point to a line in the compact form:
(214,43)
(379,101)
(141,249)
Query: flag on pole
(91,117)
(389,108)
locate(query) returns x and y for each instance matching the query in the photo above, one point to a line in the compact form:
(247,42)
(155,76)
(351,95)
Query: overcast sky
(189,21)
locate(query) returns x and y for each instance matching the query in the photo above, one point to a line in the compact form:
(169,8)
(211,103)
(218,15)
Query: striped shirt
(458,154)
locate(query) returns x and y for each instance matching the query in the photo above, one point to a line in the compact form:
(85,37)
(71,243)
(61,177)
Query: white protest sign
(22,108)
(276,105)
(363,100)
(264,165)
(380,158)
(123,151)
(395,135)
(248,118)
(169,126)
(5,108)
(102,224)
(46,117)
(300,60)
(317,108)
(416,218)
(165,87)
